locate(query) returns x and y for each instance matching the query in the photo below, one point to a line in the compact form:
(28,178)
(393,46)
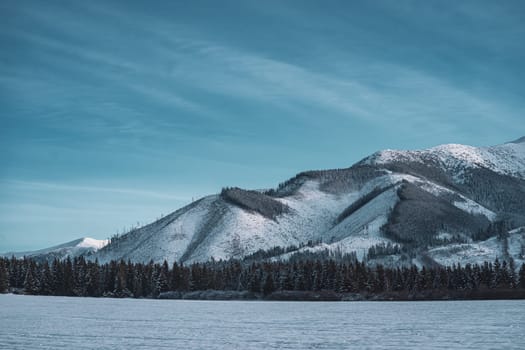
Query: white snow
(313,213)
(39,322)
(479,252)
(166,239)
(361,230)
(93,243)
(465,204)
(468,253)
(444,235)
(472,207)
(70,249)
(508,158)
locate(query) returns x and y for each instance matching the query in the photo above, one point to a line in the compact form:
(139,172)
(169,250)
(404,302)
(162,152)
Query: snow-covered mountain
(507,159)
(81,246)
(450,203)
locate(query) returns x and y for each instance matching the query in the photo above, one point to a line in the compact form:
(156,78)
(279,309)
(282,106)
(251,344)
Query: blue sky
(115,112)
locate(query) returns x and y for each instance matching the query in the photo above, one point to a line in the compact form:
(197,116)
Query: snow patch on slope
(362,229)
(93,243)
(479,252)
(467,253)
(313,212)
(508,158)
(472,207)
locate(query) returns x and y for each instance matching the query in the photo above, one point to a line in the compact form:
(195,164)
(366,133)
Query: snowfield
(97,323)
(479,252)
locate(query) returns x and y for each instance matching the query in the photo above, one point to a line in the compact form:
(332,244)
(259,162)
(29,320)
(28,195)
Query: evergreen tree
(79,277)
(380,284)
(46,280)
(56,277)
(120,285)
(162,283)
(496,275)
(93,279)
(68,278)
(175,279)
(120,288)
(4,276)
(254,280)
(521,276)
(268,287)
(31,285)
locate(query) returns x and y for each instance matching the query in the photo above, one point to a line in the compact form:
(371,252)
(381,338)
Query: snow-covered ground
(479,252)
(313,213)
(508,158)
(38,322)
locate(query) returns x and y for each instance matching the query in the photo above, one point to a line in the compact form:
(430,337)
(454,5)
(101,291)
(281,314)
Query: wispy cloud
(50,186)
(377,92)
(179,58)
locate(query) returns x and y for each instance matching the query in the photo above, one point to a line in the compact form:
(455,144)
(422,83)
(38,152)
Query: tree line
(80,277)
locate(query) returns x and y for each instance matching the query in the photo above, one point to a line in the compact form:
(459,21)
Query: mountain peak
(508,158)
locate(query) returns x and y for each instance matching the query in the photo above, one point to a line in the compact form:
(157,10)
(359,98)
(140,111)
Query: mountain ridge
(436,203)
(80,246)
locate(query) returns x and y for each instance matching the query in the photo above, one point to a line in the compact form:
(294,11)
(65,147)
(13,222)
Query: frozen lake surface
(38,322)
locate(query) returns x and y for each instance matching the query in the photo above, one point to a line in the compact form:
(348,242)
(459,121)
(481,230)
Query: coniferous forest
(312,279)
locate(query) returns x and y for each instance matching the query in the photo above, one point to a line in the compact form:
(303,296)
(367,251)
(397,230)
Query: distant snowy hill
(82,246)
(451,203)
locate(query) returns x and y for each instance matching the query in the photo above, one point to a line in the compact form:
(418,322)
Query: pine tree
(496,275)
(175,279)
(11,269)
(138,283)
(298,278)
(120,288)
(254,282)
(79,277)
(268,287)
(521,275)
(4,276)
(31,281)
(93,280)
(46,280)
(57,277)
(162,284)
(120,285)
(380,280)
(68,278)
